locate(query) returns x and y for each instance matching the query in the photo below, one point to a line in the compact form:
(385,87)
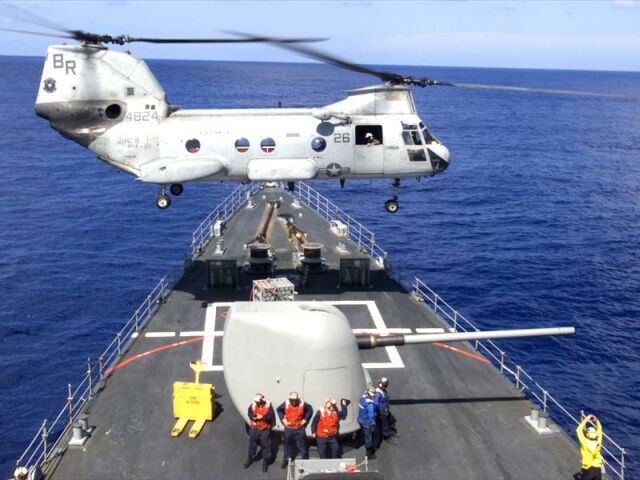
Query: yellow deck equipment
(193,401)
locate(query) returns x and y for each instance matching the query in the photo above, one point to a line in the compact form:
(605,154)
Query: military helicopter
(110,103)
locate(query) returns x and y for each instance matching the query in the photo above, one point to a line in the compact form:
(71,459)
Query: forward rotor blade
(326,58)
(551,91)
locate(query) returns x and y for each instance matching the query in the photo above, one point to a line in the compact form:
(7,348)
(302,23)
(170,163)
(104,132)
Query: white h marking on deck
(395,361)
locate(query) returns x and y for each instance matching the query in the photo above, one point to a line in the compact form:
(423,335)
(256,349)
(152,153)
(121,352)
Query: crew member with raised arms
(367,420)
(294,414)
(590,446)
(262,418)
(326,427)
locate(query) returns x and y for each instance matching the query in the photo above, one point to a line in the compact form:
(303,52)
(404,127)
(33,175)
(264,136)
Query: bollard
(535,414)
(77,432)
(83,419)
(543,421)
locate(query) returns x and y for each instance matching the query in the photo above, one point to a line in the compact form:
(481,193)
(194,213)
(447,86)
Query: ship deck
(457,416)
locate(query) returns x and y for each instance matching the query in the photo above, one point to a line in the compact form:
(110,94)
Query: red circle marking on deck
(149,352)
(466,354)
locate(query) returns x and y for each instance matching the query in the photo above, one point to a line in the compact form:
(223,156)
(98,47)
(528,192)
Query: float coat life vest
(261,424)
(294,415)
(327,424)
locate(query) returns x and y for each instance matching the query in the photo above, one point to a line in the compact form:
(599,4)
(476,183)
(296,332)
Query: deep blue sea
(535,223)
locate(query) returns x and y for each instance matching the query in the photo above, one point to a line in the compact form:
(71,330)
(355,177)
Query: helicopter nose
(440,157)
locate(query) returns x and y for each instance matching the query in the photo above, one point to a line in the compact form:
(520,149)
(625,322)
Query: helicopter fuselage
(111,103)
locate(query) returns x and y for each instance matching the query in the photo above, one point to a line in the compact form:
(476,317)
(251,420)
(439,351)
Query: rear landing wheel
(176,189)
(391,206)
(163,202)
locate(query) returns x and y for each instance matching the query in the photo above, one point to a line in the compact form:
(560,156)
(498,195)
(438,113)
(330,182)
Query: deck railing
(358,233)
(613,453)
(51,438)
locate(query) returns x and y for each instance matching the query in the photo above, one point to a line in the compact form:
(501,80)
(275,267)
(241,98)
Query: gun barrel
(375,341)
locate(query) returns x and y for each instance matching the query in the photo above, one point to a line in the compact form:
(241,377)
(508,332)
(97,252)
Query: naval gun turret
(277,347)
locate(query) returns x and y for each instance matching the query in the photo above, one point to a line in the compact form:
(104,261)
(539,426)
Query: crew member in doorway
(326,427)
(367,420)
(370,139)
(387,422)
(262,419)
(294,414)
(590,446)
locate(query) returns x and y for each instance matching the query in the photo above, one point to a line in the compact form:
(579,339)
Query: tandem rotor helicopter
(111,103)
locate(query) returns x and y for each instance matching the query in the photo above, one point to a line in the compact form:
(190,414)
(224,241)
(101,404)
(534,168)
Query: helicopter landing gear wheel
(391,206)
(176,189)
(163,202)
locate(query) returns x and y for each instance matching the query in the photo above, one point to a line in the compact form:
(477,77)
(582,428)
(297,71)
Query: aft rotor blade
(95,38)
(42,34)
(221,40)
(533,90)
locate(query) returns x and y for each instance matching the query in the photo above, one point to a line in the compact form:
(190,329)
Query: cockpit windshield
(428,136)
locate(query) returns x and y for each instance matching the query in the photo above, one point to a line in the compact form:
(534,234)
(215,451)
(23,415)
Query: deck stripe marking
(151,352)
(429,330)
(387,330)
(209,329)
(195,333)
(462,352)
(395,361)
(159,334)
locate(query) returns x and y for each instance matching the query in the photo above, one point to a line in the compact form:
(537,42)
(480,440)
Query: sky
(585,35)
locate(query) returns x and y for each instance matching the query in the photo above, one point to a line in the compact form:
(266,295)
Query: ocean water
(535,223)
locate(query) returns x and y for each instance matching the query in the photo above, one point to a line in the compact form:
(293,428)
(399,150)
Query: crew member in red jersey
(326,427)
(294,414)
(262,419)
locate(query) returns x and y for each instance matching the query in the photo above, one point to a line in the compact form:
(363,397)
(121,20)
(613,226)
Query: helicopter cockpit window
(411,134)
(428,136)
(368,134)
(411,137)
(413,141)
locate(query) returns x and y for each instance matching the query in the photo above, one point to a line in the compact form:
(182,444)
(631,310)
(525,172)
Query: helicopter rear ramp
(457,416)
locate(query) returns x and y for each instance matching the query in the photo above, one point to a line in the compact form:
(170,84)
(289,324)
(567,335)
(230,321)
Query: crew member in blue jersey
(367,420)
(294,414)
(387,422)
(262,419)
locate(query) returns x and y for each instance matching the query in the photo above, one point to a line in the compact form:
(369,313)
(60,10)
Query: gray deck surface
(458,417)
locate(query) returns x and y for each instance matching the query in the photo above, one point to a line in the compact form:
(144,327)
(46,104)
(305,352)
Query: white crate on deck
(273,290)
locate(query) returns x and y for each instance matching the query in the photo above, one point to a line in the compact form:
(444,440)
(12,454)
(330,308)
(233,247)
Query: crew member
(262,418)
(367,420)
(370,139)
(294,414)
(386,419)
(590,446)
(326,427)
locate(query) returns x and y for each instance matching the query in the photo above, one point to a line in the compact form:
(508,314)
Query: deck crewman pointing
(262,418)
